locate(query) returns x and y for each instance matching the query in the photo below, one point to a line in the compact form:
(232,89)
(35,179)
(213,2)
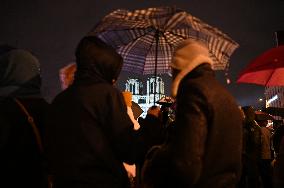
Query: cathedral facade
(146,94)
(274,97)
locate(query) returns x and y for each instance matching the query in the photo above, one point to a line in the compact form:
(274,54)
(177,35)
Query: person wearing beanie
(205,145)
(21,157)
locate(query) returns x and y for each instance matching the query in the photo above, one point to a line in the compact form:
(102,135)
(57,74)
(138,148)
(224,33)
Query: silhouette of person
(22,112)
(205,147)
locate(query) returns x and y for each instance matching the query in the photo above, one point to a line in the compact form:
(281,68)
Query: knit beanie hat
(187,56)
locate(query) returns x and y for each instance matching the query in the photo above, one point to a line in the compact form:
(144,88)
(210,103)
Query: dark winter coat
(205,146)
(252,139)
(89,133)
(21,162)
(279,167)
(150,133)
(277,136)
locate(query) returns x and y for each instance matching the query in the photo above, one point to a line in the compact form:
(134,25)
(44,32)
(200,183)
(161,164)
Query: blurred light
(275,97)
(228,81)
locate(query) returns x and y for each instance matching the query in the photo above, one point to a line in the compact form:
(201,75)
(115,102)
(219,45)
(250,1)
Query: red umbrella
(267,69)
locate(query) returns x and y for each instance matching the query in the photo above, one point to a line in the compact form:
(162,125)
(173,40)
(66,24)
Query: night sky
(51,29)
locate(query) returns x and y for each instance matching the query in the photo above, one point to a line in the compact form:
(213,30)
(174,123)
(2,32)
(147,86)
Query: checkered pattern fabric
(136,35)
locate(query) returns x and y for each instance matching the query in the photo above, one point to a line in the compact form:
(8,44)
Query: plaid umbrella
(146,38)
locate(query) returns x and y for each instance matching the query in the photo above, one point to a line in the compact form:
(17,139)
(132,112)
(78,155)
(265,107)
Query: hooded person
(22,161)
(19,74)
(204,147)
(89,133)
(251,149)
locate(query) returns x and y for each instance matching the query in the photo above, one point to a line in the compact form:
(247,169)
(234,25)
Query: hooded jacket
(19,74)
(89,133)
(21,162)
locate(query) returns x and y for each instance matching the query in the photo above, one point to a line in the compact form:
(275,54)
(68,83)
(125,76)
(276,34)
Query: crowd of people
(261,151)
(87,135)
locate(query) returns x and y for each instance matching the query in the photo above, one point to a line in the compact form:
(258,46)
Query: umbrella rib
(211,52)
(270,76)
(167,42)
(146,33)
(136,38)
(127,29)
(186,38)
(149,49)
(176,34)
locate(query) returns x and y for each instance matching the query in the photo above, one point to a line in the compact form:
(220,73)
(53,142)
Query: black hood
(96,61)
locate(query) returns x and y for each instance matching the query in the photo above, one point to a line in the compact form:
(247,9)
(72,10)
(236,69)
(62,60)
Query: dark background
(51,29)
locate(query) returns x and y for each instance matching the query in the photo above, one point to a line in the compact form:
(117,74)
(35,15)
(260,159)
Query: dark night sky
(52,29)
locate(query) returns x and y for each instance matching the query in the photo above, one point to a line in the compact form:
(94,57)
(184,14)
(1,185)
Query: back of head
(249,113)
(188,55)
(154,110)
(97,60)
(19,74)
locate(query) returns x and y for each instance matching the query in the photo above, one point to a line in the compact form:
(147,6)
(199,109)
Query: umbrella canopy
(275,111)
(146,38)
(262,116)
(267,69)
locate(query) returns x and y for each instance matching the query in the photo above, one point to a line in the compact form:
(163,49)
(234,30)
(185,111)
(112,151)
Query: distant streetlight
(260,104)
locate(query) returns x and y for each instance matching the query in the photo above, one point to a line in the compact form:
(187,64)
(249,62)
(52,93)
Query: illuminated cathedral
(144,94)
